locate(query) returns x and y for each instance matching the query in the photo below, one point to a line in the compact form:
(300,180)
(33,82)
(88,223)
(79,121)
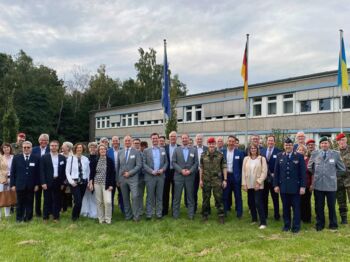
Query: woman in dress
(305,200)
(77,173)
(89,208)
(5,167)
(102,180)
(254,173)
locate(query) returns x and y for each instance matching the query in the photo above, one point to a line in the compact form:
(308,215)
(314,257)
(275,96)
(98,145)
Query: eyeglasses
(26,147)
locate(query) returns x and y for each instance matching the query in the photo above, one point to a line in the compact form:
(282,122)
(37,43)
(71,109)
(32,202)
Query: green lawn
(168,240)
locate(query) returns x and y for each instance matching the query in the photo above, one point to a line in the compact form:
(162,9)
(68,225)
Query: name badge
(132,156)
(163,153)
(274,156)
(331,160)
(236,157)
(62,163)
(296,162)
(191,155)
(31,164)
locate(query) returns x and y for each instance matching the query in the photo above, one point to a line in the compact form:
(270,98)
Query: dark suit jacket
(110,176)
(37,151)
(290,173)
(46,170)
(270,163)
(238,157)
(167,151)
(23,176)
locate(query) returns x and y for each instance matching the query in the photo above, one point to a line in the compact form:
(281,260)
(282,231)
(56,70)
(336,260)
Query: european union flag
(166,86)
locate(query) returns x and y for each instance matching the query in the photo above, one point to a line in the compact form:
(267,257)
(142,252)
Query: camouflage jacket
(212,164)
(345,156)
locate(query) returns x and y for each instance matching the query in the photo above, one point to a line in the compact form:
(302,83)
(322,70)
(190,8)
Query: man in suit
(200,148)
(325,164)
(300,138)
(169,174)
(162,141)
(234,160)
(39,151)
(185,163)
(155,163)
(290,181)
(220,144)
(52,176)
(25,180)
(113,153)
(136,143)
(129,164)
(270,153)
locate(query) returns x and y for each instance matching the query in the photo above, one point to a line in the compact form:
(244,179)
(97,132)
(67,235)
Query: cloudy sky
(205,38)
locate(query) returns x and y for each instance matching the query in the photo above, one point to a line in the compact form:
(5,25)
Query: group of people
(165,170)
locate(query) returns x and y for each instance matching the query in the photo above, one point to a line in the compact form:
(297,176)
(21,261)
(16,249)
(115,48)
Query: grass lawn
(168,240)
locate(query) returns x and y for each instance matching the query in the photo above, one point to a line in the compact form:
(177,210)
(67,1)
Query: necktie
(80,169)
(27,159)
(324,155)
(269,154)
(127,154)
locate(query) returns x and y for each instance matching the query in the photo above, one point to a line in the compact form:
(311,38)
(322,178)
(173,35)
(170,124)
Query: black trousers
(78,194)
(168,185)
(38,195)
(320,197)
(255,201)
(305,206)
(24,206)
(52,202)
(268,189)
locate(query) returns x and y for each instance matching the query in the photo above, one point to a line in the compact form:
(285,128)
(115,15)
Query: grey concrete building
(309,103)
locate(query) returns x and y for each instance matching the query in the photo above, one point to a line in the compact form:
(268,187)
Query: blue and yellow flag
(343,80)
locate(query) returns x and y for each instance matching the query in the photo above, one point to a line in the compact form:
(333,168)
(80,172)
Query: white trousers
(104,203)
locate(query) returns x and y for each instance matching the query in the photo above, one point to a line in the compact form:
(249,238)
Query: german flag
(244,72)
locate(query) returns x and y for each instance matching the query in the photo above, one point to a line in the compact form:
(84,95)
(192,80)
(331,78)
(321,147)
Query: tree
(10,121)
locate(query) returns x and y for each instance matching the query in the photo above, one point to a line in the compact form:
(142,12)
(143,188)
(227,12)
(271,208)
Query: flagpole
(164,118)
(341,87)
(247,100)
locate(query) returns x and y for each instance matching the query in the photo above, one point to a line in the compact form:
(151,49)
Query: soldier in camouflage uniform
(17,147)
(343,180)
(212,167)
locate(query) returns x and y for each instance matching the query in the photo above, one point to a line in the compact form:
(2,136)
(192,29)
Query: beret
(323,139)
(21,135)
(339,136)
(210,140)
(310,141)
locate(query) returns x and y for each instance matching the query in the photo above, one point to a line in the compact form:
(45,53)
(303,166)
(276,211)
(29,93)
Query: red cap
(310,141)
(339,136)
(211,140)
(21,135)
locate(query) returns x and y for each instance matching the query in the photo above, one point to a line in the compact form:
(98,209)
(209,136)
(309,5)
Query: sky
(205,39)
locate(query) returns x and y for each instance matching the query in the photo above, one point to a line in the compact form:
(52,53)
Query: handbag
(7,198)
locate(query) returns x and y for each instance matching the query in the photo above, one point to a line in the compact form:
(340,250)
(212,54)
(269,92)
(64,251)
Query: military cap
(21,135)
(210,140)
(310,141)
(323,139)
(287,140)
(340,136)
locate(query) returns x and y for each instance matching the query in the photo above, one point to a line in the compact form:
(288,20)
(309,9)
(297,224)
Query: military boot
(344,220)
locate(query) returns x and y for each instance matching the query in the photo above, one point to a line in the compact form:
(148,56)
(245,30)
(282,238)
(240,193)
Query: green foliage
(10,122)
(280,135)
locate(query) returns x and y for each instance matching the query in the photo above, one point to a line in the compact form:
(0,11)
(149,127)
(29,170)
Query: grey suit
(141,188)
(154,183)
(133,166)
(182,181)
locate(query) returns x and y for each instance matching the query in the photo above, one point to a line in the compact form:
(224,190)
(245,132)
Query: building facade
(310,103)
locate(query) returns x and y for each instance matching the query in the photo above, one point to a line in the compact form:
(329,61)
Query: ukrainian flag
(343,80)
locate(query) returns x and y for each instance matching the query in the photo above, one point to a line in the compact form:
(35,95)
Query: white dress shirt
(229,160)
(55,165)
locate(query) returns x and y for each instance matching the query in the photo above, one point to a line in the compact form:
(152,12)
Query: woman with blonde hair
(254,173)
(5,167)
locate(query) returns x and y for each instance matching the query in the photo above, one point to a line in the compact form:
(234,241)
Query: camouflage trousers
(213,184)
(341,198)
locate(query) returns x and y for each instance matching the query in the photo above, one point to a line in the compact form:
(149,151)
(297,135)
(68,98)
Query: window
(107,125)
(193,113)
(305,106)
(272,105)
(288,104)
(257,106)
(346,102)
(325,104)
(123,120)
(156,121)
(98,123)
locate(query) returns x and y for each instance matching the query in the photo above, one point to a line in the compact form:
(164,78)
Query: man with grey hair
(39,151)
(105,141)
(24,180)
(300,139)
